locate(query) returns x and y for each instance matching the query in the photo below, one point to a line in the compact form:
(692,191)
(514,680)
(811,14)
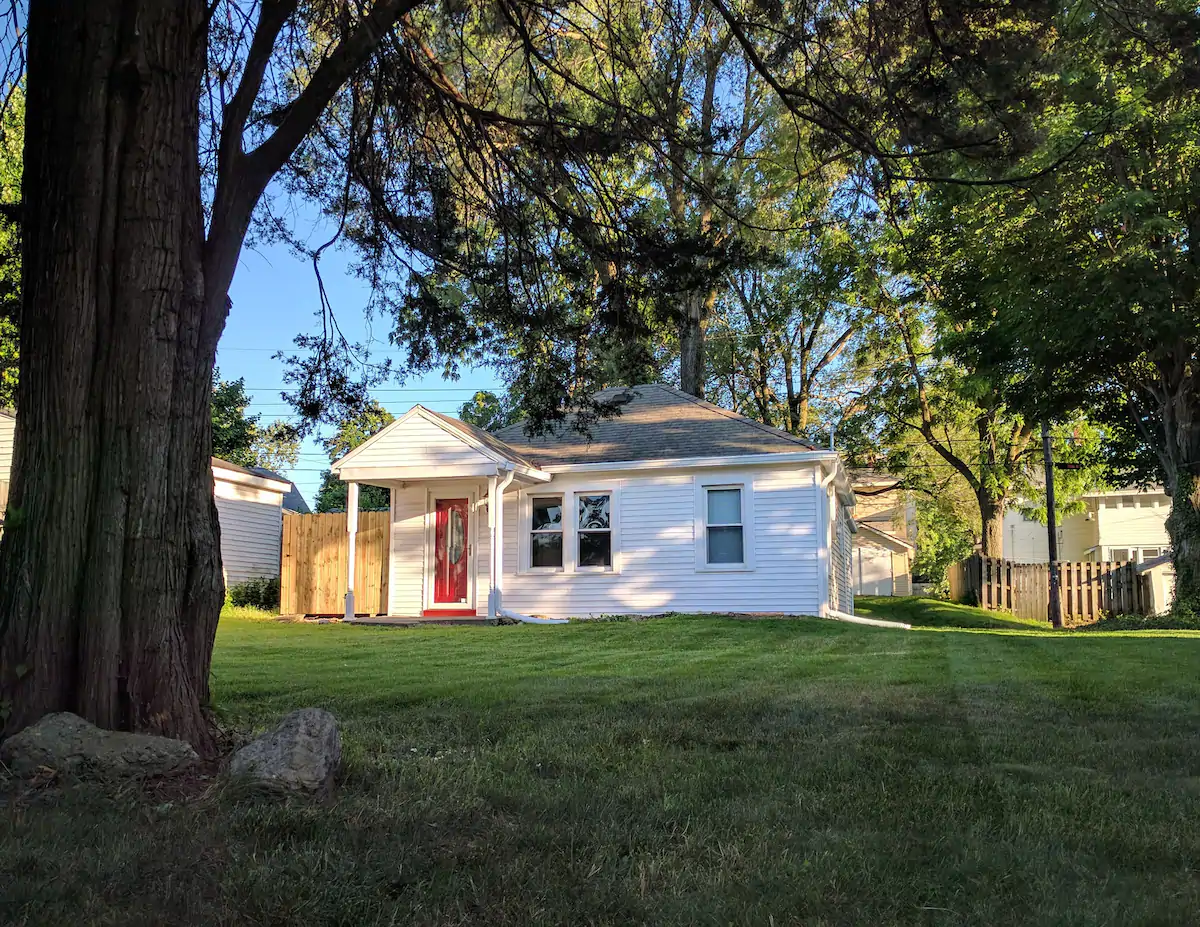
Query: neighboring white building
(249,506)
(887,534)
(673,505)
(250,510)
(8,425)
(1124,524)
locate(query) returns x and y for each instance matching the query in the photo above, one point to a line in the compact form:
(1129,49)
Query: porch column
(494,504)
(351,532)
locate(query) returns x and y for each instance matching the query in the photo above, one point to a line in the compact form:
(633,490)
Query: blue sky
(274,299)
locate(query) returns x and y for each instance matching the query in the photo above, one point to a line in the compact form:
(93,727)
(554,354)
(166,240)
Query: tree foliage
(351,432)
(239,438)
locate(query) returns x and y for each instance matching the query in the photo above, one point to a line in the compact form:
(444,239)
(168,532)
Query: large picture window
(725,542)
(546,532)
(594,530)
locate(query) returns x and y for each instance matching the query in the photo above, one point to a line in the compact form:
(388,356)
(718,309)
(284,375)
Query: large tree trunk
(692,367)
(991,514)
(111,582)
(1183,526)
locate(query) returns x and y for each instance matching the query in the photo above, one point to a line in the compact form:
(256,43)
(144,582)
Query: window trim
(700,530)
(570,565)
(527,536)
(611,529)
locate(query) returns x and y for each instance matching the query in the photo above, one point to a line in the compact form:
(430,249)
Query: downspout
(495,551)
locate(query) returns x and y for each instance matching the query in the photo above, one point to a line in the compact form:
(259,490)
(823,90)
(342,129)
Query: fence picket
(1088,590)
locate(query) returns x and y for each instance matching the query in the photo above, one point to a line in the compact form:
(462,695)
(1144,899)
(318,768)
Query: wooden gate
(1088,591)
(313,571)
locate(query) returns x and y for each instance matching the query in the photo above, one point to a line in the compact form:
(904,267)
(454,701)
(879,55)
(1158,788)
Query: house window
(1120,554)
(594,534)
(724,531)
(546,532)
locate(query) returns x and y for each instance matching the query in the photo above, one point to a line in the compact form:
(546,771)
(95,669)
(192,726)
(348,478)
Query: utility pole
(1054,608)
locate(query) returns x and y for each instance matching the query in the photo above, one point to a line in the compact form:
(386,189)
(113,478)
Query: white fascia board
(249,479)
(674,463)
(383,475)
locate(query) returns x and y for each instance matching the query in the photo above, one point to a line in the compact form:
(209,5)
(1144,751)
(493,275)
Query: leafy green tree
(233,430)
(1083,284)
(12,138)
(488,411)
(944,537)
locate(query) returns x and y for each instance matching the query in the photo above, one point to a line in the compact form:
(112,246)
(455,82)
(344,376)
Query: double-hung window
(724,524)
(725,540)
(594,540)
(546,532)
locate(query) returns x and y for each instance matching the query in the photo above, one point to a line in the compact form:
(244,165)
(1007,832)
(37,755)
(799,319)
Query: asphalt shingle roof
(658,422)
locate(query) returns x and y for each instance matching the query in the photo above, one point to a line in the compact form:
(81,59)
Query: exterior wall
(656,518)
(1125,522)
(1133,521)
(416,442)
(841,555)
(251,530)
(893,512)
(8,426)
(654,549)
(901,573)
(406,578)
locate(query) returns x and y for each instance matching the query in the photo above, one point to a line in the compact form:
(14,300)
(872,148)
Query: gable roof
(235,473)
(657,423)
(486,438)
(293,499)
(475,439)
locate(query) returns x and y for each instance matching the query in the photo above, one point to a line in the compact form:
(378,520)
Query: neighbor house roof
(251,477)
(655,423)
(293,499)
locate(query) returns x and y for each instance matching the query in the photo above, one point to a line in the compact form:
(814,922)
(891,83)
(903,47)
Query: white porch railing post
(494,503)
(352,532)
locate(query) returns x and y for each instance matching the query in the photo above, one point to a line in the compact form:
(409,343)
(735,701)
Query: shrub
(259,592)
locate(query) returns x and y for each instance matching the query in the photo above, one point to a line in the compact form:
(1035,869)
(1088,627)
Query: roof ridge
(730,414)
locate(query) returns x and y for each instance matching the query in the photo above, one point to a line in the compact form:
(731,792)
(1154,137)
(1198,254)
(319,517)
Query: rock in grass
(302,754)
(67,743)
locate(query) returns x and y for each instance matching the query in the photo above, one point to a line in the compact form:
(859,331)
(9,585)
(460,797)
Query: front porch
(446,520)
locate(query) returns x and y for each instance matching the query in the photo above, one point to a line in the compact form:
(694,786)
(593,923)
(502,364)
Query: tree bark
(1183,526)
(111,568)
(991,514)
(691,342)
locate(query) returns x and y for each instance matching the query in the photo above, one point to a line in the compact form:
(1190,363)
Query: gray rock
(67,743)
(302,754)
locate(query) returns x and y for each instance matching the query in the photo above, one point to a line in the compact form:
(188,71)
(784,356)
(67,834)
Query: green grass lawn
(675,771)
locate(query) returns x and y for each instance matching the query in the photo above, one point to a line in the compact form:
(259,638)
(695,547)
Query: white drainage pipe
(874,622)
(530,619)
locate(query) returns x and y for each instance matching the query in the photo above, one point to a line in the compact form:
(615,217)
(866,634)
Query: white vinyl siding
(416,442)
(251,530)
(407,563)
(655,515)
(7,428)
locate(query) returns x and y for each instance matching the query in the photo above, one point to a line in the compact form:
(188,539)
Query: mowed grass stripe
(689,770)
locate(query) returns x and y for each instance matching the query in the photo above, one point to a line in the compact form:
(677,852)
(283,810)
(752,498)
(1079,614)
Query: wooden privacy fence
(313,570)
(1088,591)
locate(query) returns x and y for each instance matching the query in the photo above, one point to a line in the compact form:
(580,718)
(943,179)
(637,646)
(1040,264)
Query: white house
(250,510)
(673,505)
(8,425)
(249,506)
(885,543)
(1123,524)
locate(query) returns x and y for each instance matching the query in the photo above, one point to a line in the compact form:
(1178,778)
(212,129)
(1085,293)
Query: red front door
(450,552)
